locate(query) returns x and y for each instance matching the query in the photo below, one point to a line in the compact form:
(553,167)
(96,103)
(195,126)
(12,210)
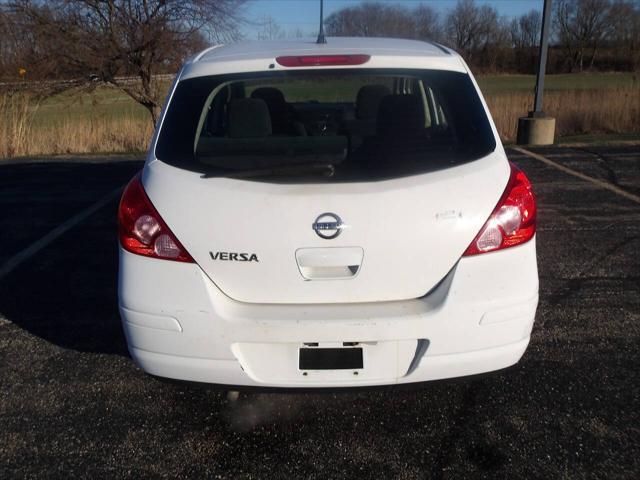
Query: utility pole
(321,37)
(542,56)
(538,128)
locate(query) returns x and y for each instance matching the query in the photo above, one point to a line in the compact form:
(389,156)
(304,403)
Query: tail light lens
(142,230)
(513,221)
(322,60)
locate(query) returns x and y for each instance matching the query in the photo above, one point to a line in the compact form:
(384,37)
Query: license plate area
(315,358)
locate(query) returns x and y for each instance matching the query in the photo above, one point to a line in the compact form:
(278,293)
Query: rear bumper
(179,325)
(229,372)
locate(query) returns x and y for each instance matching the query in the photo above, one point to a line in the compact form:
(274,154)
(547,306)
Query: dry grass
(26,130)
(16,112)
(96,135)
(23,133)
(576,111)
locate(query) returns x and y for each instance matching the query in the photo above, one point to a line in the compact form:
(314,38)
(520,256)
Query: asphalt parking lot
(72,404)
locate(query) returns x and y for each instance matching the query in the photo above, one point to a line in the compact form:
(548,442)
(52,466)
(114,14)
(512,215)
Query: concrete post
(536,130)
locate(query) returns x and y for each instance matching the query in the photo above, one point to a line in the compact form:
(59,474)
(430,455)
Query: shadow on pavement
(66,293)
(566,410)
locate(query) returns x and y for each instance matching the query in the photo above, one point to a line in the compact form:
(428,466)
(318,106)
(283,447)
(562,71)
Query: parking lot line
(570,171)
(38,245)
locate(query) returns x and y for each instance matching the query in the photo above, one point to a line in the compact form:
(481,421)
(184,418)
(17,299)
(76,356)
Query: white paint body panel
(409,228)
(385,53)
(242,323)
(228,342)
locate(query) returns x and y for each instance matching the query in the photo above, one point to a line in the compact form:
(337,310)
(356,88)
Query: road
(72,403)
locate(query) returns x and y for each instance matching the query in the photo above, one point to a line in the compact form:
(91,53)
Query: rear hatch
(408,193)
(411,231)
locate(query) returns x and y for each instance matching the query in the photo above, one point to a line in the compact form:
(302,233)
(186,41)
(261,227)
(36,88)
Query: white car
(326,215)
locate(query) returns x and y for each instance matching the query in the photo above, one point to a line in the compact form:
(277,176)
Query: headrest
(368,100)
(401,115)
(271,95)
(248,118)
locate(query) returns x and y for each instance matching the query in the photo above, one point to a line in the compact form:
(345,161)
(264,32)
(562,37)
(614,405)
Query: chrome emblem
(328,226)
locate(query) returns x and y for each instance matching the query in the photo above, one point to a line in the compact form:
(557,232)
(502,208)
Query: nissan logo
(328,226)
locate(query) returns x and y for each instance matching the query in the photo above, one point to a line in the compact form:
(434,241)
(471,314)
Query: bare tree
(624,32)
(270,29)
(17,44)
(581,27)
(477,31)
(463,26)
(525,30)
(371,20)
(7,45)
(296,33)
(524,36)
(427,23)
(470,27)
(105,39)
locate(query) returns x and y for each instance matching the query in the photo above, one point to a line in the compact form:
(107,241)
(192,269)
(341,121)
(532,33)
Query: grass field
(499,84)
(107,120)
(103,102)
(111,103)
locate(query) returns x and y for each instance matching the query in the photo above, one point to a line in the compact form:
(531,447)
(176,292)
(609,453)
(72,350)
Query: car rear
(323,216)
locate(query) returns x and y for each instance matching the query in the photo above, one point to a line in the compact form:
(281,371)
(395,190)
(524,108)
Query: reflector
(490,239)
(164,246)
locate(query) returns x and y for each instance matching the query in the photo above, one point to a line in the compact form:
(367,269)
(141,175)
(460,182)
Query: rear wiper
(324,169)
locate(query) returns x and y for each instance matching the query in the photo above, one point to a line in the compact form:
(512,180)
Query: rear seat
(401,116)
(250,143)
(401,128)
(282,115)
(367,104)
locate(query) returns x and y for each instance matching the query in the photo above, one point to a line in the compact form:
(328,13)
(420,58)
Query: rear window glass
(329,125)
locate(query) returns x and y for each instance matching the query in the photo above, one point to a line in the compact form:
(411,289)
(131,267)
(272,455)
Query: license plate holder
(315,358)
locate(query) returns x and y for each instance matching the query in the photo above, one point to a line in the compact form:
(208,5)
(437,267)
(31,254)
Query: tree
(18,45)
(106,39)
(470,27)
(427,23)
(270,29)
(296,33)
(463,26)
(624,31)
(477,32)
(371,20)
(581,27)
(525,30)
(524,33)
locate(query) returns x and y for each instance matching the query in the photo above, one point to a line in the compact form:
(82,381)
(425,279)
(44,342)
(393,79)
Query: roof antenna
(321,39)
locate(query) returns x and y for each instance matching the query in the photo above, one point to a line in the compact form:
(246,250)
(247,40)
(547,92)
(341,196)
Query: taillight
(322,60)
(141,228)
(513,221)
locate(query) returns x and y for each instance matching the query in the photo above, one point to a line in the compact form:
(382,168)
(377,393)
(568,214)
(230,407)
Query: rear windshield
(329,125)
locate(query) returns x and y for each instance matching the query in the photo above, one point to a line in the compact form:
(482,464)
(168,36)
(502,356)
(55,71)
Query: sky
(304,14)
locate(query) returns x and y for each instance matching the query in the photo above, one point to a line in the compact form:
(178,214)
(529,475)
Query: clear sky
(304,14)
